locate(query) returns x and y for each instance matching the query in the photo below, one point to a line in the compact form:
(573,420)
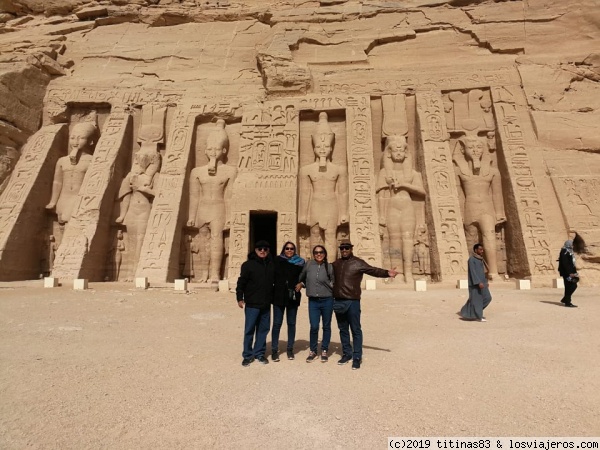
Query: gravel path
(118,368)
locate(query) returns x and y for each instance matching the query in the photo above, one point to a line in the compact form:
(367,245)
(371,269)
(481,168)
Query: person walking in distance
(567,270)
(479,292)
(348,272)
(318,278)
(254,294)
(286,300)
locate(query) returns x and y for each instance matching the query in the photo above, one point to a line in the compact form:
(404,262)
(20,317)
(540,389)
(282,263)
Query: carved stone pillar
(363,212)
(530,239)
(82,252)
(159,257)
(449,248)
(22,213)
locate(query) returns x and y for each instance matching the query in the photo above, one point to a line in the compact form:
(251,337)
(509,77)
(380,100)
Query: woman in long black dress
(568,270)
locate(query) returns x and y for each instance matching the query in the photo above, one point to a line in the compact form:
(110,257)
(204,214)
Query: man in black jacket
(255,292)
(349,271)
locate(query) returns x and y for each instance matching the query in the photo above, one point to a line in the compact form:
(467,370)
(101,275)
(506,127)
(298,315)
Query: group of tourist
(331,288)
(335,288)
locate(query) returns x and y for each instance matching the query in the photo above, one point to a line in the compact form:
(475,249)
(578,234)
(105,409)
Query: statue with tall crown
(398,185)
(323,203)
(482,202)
(71,169)
(210,194)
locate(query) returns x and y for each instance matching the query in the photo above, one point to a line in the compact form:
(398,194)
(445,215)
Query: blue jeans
(257,323)
(351,319)
(317,308)
(278,311)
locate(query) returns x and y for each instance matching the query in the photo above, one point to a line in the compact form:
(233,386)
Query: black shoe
(344,360)
(290,354)
(324,357)
(311,357)
(275,356)
(356,364)
(570,305)
(262,360)
(563,301)
(247,361)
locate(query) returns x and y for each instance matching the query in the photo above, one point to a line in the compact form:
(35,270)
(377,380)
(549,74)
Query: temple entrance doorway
(263,226)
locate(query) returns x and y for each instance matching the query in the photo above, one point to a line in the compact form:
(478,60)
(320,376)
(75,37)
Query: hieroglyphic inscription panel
(517,137)
(57,98)
(405,82)
(82,251)
(450,251)
(267,176)
(363,213)
(22,204)
(159,260)
(269,140)
(580,202)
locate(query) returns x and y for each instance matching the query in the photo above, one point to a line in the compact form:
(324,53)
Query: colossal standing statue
(323,203)
(137,188)
(70,170)
(482,203)
(210,193)
(397,185)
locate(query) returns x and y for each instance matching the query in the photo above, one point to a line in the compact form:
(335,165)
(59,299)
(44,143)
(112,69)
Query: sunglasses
(345,247)
(290,248)
(318,253)
(262,249)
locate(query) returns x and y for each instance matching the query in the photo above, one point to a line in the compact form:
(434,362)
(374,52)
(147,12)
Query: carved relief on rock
(137,190)
(477,176)
(114,257)
(70,170)
(398,183)
(399,186)
(323,197)
(209,202)
(8,158)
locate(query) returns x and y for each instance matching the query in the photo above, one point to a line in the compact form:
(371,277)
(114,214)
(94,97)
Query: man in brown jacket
(349,271)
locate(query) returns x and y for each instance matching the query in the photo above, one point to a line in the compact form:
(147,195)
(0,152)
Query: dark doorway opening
(263,226)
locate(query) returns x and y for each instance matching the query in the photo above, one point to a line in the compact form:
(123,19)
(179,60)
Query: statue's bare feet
(493,276)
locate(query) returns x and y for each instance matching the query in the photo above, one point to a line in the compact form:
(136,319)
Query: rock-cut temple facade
(162,139)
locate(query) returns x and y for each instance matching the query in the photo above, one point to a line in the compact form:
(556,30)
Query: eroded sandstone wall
(519,79)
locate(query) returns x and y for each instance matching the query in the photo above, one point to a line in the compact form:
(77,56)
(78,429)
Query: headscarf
(568,247)
(296,259)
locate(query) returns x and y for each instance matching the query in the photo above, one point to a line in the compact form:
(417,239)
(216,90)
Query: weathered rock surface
(538,60)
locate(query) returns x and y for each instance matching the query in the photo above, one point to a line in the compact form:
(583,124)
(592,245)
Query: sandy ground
(119,368)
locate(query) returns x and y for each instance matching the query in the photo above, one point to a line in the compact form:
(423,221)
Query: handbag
(341,306)
(292,295)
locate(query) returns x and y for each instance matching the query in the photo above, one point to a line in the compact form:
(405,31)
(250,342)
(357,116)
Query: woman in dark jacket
(567,270)
(288,266)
